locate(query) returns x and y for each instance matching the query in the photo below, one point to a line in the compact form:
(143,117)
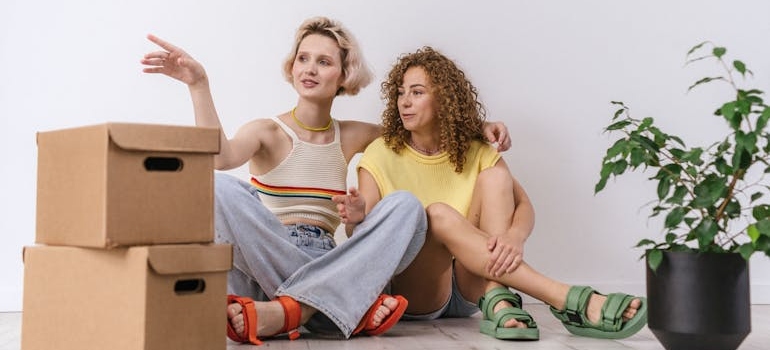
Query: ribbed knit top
(302,185)
(431,178)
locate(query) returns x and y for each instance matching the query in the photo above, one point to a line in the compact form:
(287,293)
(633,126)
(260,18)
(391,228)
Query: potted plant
(713,203)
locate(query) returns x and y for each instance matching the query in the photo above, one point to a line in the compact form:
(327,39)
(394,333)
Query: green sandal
(611,326)
(492,323)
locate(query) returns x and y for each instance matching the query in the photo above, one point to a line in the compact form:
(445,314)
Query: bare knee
(495,179)
(442,217)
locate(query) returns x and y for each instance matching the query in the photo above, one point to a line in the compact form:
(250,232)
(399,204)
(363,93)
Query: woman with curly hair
(479,216)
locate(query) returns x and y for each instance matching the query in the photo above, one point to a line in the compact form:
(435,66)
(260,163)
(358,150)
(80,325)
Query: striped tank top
(302,185)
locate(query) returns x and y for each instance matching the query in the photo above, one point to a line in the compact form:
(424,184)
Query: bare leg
(491,210)
(427,281)
(471,250)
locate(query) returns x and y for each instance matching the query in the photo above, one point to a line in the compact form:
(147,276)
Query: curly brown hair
(460,114)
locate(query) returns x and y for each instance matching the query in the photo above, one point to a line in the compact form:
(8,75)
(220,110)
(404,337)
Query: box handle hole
(163,164)
(192,286)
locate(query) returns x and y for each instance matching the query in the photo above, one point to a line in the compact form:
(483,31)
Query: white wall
(546,68)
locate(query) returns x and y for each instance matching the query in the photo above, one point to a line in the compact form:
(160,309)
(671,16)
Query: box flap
(168,138)
(190,258)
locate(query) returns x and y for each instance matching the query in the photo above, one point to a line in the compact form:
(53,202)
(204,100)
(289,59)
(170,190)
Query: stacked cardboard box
(125,257)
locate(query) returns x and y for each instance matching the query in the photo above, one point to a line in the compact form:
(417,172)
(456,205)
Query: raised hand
(173,62)
(351,206)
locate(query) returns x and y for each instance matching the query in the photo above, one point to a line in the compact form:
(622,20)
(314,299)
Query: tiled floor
(455,334)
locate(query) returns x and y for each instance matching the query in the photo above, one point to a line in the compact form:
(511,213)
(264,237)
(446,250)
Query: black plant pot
(699,301)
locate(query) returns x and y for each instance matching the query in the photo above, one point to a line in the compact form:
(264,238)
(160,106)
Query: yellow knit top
(430,178)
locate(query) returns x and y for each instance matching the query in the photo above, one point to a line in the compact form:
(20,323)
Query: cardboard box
(126,184)
(144,297)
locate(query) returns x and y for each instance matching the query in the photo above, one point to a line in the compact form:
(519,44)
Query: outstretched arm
(178,64)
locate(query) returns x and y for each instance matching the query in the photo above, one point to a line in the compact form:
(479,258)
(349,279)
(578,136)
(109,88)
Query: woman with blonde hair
(286,269)
(479,215)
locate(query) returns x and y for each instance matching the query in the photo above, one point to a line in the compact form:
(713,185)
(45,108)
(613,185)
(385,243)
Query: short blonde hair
(354,68)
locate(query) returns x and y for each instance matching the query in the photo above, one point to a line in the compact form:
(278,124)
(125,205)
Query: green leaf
(678,196)
(764,227)
(719,51)
(705,232)
(646,122)
(746,250)
(654,258)
(617,148)
(695,48)
(618,113)
(762,119)
(645,242)
(740,67)
(756,195)
(620,167)
(677,140)
(761,211)
(727,110)
(618,125)
(753,232)
(703,81)
(637,157)
(674,217)
(664,186)
(748,141)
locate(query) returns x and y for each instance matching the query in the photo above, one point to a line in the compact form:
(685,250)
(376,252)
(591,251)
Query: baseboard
(10,299)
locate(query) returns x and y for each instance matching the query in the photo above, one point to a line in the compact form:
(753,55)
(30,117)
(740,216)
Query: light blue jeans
(270,259)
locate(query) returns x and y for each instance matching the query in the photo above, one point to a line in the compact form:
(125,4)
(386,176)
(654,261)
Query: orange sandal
(291,316)
(366,325)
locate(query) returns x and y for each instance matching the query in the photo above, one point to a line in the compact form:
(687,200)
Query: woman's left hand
(507,255)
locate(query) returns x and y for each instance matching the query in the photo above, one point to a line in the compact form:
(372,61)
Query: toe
(233,310)
(632,308)
(513,323)
(390,303)
(237,323)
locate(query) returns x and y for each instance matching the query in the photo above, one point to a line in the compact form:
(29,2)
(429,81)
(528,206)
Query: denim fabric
(312,239)
(270,259)
(456,307)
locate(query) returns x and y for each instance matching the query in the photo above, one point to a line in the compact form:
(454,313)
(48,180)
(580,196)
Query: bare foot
(384,310)
(596,302)
(269,322)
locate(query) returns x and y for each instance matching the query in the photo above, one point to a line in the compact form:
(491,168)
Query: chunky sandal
(291,316)
(366,325)
(611,325)
(493,322)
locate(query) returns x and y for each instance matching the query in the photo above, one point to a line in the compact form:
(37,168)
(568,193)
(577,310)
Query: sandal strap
(575,307)
(249,316)
(612,310)
(574,312)
(495,295)
(505,314)
(292,314)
